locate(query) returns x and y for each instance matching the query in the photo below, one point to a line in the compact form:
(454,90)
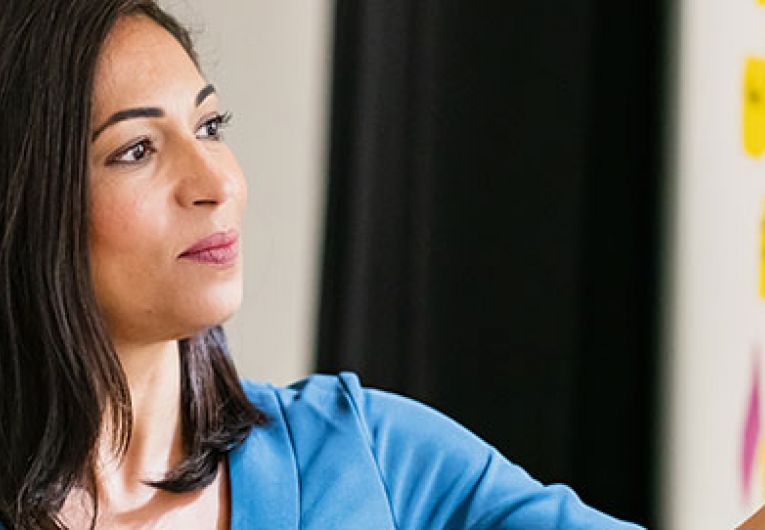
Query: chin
(189,329)
(207,311)
(221,312)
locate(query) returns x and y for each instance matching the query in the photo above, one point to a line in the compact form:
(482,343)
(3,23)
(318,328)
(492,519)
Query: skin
(755,522)
(150,202)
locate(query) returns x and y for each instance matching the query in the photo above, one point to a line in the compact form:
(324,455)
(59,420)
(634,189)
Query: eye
(211,129)
(134,153)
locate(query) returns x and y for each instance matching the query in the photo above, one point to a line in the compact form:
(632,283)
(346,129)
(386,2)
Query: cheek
(125,222)
(126,240)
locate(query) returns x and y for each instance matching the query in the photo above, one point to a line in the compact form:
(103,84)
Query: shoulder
(319,412)
(320,434)
(401,434)
(416,458)
(376,414)
(328,396)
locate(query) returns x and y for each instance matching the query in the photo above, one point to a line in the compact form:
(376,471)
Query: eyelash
(220,121)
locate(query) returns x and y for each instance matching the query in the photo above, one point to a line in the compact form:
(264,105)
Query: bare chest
(159,510)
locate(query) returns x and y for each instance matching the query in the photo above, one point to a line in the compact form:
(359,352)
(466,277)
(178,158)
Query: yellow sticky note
(761,2)
(754,107)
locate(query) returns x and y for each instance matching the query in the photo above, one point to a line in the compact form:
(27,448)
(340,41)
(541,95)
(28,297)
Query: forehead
(141,64)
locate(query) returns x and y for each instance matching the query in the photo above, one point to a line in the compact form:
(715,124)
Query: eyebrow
(147,112)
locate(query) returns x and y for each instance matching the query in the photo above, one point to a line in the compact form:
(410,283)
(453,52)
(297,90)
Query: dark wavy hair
(59,372)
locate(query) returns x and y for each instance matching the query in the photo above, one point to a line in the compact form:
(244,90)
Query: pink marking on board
(751,430)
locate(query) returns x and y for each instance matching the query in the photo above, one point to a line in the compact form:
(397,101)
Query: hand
(755,522)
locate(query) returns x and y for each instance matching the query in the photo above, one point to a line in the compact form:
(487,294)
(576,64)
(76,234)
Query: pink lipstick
(220,248)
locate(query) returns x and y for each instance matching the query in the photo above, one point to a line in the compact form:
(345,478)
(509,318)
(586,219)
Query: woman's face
(161,180)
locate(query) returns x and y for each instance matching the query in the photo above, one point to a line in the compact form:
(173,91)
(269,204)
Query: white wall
(716,315)
(270,60)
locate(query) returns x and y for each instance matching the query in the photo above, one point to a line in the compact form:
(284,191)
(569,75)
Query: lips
(220,248)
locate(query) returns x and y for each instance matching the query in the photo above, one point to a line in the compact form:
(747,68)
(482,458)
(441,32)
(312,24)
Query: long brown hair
(59,372)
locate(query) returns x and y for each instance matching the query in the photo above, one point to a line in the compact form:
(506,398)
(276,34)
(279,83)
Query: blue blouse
(339,456)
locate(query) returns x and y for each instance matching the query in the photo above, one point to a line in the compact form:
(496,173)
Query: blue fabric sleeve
(439,475)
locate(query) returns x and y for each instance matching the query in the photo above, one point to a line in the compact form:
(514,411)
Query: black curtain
(491,242)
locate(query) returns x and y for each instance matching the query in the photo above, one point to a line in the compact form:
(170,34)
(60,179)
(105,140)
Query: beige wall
(269,60)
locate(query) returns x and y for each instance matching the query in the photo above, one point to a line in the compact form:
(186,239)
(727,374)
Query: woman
(120,211)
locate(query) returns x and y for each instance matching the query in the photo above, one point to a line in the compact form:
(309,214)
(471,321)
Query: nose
(204,179)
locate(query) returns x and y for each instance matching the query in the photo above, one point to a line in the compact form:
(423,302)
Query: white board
(715,311)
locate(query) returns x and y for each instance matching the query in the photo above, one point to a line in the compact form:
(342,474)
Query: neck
(153,375)
(156,445)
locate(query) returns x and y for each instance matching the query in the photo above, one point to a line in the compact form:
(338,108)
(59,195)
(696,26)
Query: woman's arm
(440,475)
